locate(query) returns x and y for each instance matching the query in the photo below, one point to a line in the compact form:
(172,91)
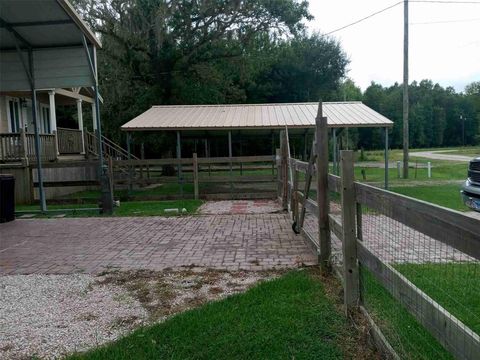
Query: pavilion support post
(230,156)
(386,158)
(335,159)
(129,157)
(305,142)
(179,154)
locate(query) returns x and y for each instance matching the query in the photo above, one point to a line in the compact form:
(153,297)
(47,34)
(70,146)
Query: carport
(204,121)
(44,45)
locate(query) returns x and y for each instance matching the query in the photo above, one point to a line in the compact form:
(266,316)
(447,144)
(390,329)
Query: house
(17,128)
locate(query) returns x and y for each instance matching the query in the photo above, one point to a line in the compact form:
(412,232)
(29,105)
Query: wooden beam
(322,190)
(349,238)
(74,95)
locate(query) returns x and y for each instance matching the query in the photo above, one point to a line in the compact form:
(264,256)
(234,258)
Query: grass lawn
(443,195)
(130,208)
(286,318)
(454,286)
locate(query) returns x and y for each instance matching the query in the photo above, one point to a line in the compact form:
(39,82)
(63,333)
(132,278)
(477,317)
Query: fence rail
(387,244)
(231,177)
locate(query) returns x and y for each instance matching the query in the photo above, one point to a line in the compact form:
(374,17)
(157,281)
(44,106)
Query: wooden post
(294,196)
(322,190)
(195,175)
(55,145)
(386,158)
(349,241)
(284,168)
(23,144)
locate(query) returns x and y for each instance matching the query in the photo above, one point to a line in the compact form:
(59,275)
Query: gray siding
(66,67)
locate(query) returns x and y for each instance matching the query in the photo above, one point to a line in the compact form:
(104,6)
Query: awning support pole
(305,141)
(41,190)
(386,158)
(107,196)
(29,71)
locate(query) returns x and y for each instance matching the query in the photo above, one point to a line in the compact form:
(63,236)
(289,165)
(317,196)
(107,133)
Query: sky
(447,52)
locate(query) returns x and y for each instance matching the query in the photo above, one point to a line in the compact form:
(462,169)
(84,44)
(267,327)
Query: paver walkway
(263,206)
(92,245)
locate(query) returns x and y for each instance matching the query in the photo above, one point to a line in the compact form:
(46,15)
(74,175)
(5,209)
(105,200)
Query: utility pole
(405,90)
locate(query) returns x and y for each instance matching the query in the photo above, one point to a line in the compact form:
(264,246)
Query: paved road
(92,245)
(439,155)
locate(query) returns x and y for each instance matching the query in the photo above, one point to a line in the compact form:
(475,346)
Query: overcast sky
(447,52)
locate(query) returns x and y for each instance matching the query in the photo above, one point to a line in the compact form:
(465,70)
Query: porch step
(72,157)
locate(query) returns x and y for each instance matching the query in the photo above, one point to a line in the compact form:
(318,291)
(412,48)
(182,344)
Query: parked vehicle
(471,187)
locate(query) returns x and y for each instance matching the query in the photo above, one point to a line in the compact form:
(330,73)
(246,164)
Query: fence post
(322,190)
(284,167)
(294,195)
(349,243)
(195,175)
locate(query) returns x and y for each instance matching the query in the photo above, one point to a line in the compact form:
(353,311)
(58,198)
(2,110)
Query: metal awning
(255,116)
(45,44)
(55,36)
(42,24)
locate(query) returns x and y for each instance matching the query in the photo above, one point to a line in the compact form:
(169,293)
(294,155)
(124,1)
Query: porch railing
(69,141)
(18,146)
(11,147)
(48,149)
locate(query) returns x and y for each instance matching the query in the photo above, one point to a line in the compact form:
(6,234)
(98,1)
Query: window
(13,115)
(45,119)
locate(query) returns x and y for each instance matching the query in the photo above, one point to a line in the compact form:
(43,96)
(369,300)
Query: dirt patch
(168,292)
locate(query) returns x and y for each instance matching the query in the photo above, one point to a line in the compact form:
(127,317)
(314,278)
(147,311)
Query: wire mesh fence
(418,266)
(446,278)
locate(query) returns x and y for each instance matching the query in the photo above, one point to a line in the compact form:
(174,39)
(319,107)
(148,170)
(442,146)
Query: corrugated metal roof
(45,23)
(255,116)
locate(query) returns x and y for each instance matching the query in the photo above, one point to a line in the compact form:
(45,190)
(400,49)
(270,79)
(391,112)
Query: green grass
(443,195)
(130,208)
(455,286)
(286,318)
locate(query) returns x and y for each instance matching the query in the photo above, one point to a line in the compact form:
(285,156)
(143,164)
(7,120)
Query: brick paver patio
(92,245)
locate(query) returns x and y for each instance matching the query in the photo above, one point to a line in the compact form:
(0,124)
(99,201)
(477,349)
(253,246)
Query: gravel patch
(48,316)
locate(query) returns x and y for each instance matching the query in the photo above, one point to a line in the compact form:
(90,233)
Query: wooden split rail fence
(451,229)
(226,174)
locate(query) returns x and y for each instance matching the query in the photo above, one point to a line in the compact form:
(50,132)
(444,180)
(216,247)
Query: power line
(396,4)
(364,18)
(444,21)
(444,2)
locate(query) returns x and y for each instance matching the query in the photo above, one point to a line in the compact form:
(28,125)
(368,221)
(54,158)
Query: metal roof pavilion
(255,116)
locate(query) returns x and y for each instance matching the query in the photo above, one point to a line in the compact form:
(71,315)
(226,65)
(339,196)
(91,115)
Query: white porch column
(94,117)
(80,122)
(53,113)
